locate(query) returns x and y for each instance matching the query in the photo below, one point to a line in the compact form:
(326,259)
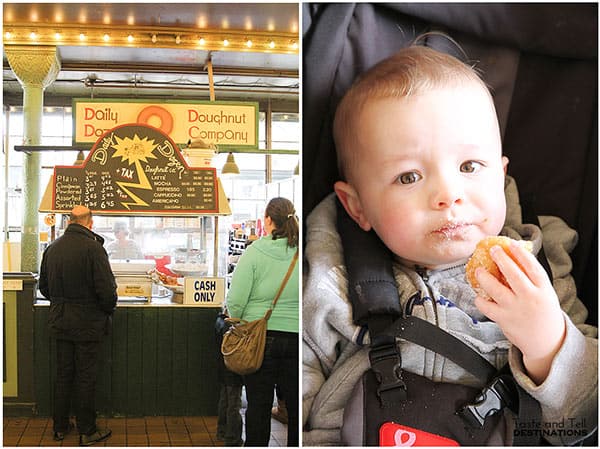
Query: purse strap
(283,284)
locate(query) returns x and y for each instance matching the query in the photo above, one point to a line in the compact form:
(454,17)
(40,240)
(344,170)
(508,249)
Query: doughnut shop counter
(160,357)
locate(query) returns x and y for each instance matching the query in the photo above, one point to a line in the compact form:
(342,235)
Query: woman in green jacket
(256,279)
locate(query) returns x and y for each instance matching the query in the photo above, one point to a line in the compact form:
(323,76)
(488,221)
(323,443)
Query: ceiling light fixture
(69,34)
(80,158)
(230,167)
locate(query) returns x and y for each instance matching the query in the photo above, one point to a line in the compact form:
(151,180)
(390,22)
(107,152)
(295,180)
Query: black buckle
(386,363)
(490,401)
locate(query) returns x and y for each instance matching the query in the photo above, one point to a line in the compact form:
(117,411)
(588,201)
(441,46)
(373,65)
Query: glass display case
(169,246)
(168,240)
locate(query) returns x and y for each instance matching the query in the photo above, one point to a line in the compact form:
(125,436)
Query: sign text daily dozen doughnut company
(225,124)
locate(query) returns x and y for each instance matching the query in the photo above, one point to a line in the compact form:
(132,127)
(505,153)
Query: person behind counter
(75,276)
(255,281)
(123,247)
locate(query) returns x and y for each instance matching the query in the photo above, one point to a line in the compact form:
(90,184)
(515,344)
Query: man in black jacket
(76,277)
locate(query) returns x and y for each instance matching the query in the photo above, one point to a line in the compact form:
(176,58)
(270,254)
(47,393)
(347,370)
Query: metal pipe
(41,148)
(209,68)
(177,69)
(6,172)
(268,143)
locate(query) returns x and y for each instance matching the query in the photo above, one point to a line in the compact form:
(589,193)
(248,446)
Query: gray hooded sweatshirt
(335,350)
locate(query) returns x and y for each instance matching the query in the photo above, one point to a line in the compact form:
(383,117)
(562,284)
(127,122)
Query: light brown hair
(410,71)
(282,212)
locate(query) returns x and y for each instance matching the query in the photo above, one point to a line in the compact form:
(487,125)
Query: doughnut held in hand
(481,258)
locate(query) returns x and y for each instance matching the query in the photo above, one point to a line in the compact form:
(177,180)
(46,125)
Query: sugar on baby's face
(427,174)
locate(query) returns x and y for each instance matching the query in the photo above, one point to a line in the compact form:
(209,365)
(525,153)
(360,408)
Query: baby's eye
(409,177)
(470,166)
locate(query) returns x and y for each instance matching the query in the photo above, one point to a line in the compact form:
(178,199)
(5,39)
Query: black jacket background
(76,277)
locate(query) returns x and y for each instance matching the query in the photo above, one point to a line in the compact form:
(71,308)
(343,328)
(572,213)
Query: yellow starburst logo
(135,149)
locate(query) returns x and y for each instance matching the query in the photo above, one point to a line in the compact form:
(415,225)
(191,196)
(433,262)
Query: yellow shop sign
(225,124)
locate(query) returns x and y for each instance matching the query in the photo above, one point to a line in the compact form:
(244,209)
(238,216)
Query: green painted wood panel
(21,391)
(42,366)
(116,406)
(104,386)
(165,360)
(156,361)
(134,362)
(180,367)
(150,368)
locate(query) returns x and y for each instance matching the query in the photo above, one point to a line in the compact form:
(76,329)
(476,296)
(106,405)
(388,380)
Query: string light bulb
(61,33)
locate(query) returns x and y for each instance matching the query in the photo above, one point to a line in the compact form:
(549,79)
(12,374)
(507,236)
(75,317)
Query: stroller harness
(393,407)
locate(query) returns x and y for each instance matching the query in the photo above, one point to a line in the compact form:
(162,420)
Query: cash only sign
(225,124)
(204,291)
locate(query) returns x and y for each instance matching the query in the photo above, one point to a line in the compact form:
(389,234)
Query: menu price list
(191,190)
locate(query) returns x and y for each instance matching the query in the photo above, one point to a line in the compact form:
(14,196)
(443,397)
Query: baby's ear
(351,202)
(505,163)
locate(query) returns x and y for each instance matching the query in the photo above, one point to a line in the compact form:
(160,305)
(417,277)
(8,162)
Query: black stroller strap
(372,289)
(373,293)
(429,336)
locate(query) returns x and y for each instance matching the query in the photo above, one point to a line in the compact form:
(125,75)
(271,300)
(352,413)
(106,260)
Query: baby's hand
(528,312)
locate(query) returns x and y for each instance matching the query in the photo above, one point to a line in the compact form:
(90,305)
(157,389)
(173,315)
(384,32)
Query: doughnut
(166,119)
(481,258)
(50,220)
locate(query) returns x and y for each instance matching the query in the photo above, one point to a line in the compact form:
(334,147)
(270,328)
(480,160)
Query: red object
(392,434)
(161,261)
(259,228)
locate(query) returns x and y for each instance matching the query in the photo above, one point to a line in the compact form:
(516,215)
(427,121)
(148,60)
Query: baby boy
(420,155)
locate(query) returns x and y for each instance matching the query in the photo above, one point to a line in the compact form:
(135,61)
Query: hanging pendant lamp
(230,167)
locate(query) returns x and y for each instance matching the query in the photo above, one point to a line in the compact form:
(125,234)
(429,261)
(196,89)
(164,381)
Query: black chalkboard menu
(135,169)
